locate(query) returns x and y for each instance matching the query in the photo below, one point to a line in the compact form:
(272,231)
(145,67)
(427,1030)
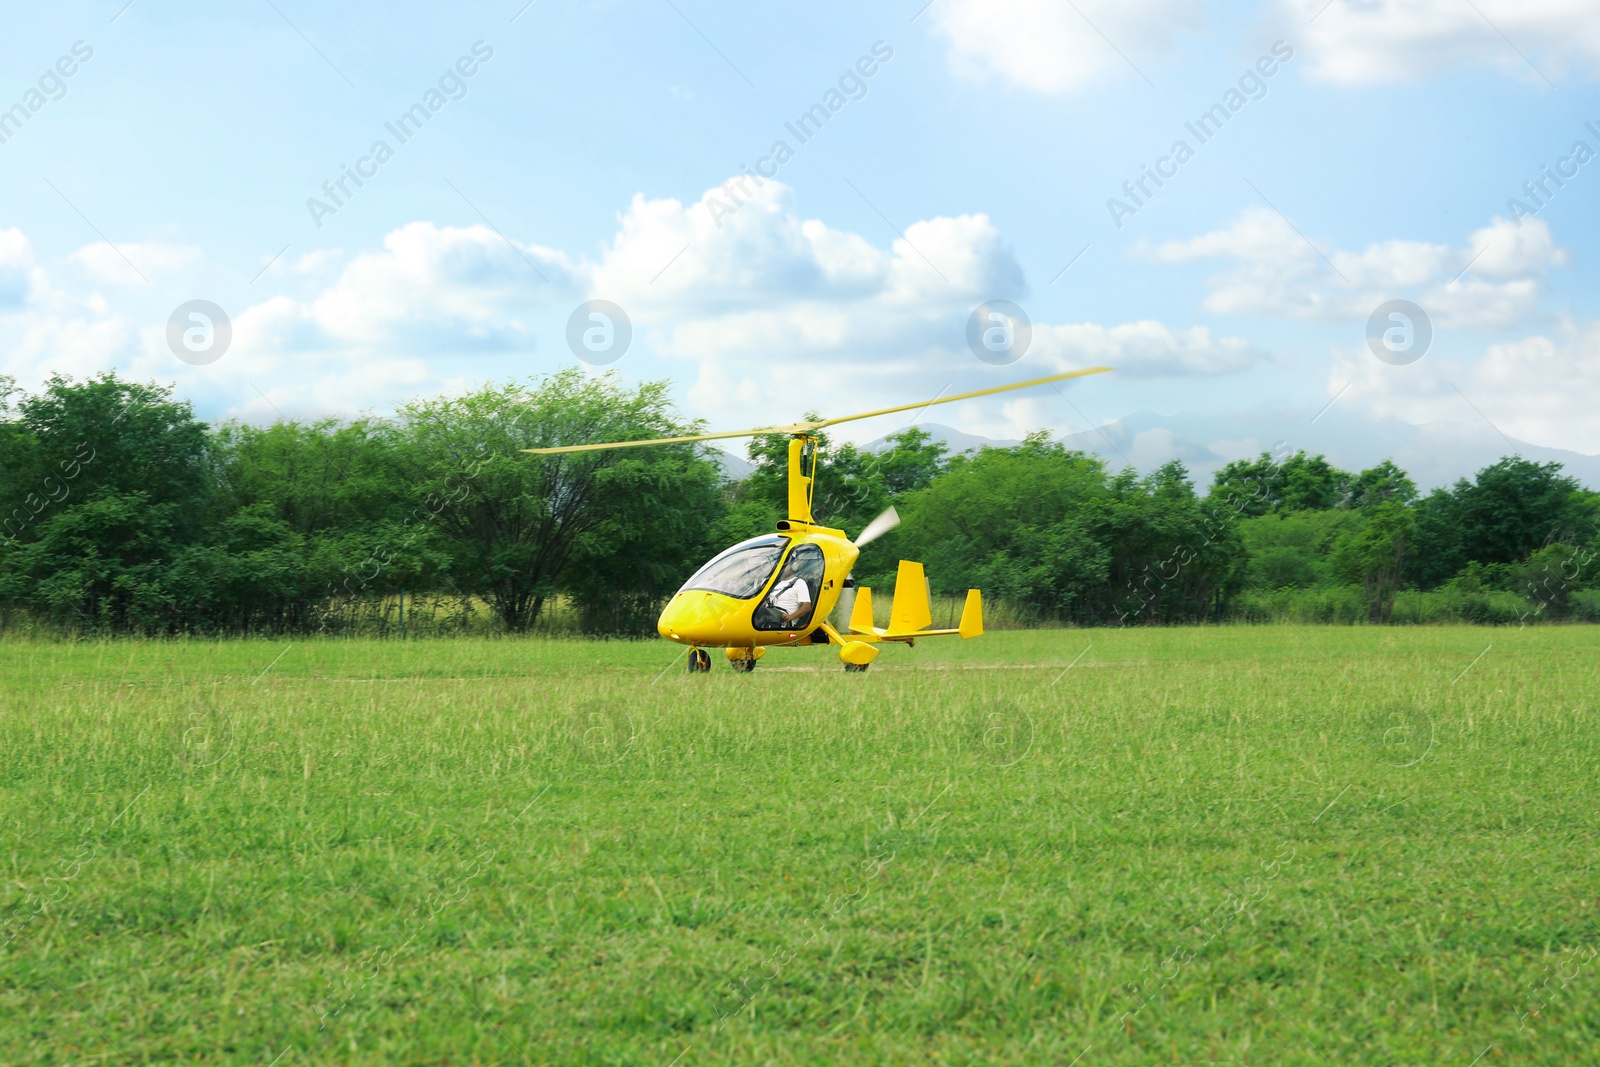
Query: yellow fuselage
(711,619)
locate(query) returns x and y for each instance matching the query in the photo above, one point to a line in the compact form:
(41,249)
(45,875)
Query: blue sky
(583,160)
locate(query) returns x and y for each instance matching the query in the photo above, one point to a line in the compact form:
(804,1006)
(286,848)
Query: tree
(1292,550)
(336,498)
(1300,482)
(911,460)
(1171,554)
(1516,506)
(1373,555)
(1312,483)
(1510,509)
(122,437)
(1375,485)
(516,527)
(104,562)
(1249,487)
(660,525)
(105,483)
(1014,521)
(251,575)
(1549,576)
(316,477)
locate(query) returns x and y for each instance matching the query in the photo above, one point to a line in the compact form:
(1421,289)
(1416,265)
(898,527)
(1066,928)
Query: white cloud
(1541,389)
(430,285)
(667,259)
(1493,281)
(391,320)
(1008,418)
(15,249)
(762,318)
(382,326)
(16,267)
(1049,46)
(45,327)
(1145,349)
(133,264)
(769,305)
(1388,41)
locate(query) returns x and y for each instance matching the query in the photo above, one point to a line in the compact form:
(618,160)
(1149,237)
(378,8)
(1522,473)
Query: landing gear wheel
(744,666)
(855,668)
(699,661)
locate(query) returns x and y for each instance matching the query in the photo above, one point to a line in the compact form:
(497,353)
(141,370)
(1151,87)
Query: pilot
(792,595)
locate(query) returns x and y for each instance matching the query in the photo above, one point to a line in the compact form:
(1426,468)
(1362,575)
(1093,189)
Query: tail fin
(972,615)
(861,612)
(910,611)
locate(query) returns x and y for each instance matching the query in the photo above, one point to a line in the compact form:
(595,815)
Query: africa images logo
(1252,85)
(51,86)
(852,85)
(452,85)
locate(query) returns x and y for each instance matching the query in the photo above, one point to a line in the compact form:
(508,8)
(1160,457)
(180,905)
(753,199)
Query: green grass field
(1272,845)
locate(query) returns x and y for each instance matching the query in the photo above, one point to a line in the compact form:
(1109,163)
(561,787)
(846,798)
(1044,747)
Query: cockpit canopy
(741,571)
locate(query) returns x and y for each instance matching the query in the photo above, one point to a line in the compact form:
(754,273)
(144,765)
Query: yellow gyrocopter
(770,590)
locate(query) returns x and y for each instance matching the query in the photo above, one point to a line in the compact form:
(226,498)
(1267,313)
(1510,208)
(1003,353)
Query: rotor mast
(800,483)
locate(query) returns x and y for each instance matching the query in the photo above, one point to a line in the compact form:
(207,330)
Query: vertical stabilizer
(910,611)
(861,613)
(972,616)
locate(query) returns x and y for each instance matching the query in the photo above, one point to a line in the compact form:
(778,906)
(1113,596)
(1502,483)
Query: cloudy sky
(803,206)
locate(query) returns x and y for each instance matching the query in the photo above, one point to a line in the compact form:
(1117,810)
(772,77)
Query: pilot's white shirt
(790,594)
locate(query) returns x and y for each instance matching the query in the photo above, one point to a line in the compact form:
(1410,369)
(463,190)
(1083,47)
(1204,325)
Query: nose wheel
(856,655)
(699,661)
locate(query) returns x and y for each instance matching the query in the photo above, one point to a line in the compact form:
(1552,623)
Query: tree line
(121,512)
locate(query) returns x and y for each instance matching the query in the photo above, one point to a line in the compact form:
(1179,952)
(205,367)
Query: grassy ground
(1273,845)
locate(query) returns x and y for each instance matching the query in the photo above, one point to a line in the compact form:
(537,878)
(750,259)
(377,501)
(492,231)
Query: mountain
(953,439)
(733,467)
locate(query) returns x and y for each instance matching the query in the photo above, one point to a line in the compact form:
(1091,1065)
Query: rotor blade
(669,440)
(962,396)
(805,427)
(878,527)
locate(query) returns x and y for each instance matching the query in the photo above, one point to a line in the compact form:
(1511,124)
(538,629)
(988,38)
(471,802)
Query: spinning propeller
(878,527)
(875,529)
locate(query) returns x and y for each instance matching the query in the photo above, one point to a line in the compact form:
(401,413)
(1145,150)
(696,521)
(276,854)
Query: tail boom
(910,612)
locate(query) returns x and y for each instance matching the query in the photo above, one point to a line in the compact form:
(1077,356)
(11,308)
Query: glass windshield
(742,570)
